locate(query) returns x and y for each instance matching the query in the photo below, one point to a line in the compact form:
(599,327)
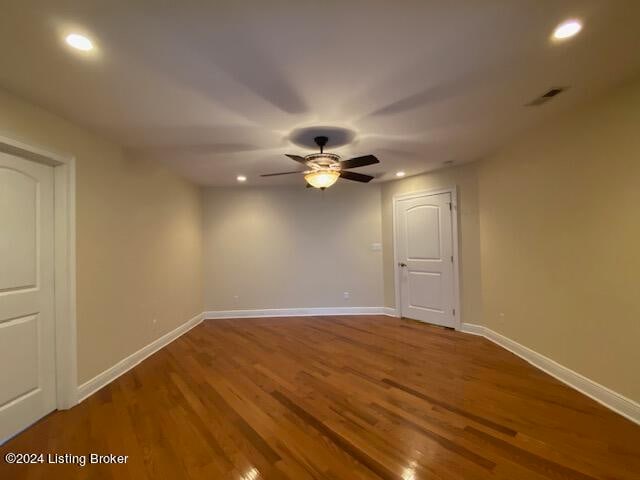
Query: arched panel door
(27,336)
(424,246)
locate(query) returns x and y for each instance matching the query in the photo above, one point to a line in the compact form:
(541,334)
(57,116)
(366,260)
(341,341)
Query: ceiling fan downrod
(321,142)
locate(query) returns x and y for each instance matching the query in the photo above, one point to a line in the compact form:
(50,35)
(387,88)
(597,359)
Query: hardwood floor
(338,398)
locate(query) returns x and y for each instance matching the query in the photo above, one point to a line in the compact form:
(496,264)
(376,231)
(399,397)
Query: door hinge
(454,312)
(450,207)
(451,258)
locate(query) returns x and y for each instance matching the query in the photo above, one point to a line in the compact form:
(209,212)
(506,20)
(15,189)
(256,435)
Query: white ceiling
(215,88)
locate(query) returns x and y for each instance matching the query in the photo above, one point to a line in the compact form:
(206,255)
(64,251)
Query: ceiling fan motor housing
(323,161)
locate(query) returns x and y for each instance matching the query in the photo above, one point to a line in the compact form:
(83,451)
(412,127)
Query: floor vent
(544,98)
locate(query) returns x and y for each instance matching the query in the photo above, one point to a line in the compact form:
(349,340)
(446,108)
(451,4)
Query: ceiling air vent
(544,98)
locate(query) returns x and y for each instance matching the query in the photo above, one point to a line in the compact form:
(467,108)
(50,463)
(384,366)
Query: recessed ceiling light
(400,174)
(79,42)
(567,29)
(241,178)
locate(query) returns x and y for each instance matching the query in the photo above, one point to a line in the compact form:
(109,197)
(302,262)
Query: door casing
(64,262)
(454,226)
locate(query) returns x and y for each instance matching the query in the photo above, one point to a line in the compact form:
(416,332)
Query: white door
(27,362)
(424,250)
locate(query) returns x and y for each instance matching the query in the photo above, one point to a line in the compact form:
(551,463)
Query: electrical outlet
(346,295)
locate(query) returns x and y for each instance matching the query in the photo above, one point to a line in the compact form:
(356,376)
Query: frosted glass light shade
(322,178)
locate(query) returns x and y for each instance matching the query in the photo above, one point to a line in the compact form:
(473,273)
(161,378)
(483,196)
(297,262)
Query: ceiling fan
(324,169)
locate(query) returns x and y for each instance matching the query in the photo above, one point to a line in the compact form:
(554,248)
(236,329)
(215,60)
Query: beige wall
(138,239)
(464,177)
(288,247)
(560,230)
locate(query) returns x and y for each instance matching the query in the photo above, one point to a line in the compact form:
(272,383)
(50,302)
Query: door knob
(401,264)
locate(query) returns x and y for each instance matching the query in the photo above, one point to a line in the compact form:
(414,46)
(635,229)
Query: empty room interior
(320,240)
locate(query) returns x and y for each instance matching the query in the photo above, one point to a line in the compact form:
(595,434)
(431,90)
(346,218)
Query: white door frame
(454,232)
(64,263)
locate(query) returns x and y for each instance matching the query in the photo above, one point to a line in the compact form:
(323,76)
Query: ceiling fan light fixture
(324,169)
(322,178)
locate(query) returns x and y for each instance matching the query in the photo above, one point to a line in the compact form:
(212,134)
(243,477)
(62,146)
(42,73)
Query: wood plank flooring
(367,397)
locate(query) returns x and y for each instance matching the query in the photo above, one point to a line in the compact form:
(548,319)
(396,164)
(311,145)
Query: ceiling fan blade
(297,158)
(356,177)
(359,162)
(281,173)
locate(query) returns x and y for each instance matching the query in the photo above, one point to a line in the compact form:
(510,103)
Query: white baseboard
(601,394)
(294,312)
(391,312)
(96,383)
(473,329)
